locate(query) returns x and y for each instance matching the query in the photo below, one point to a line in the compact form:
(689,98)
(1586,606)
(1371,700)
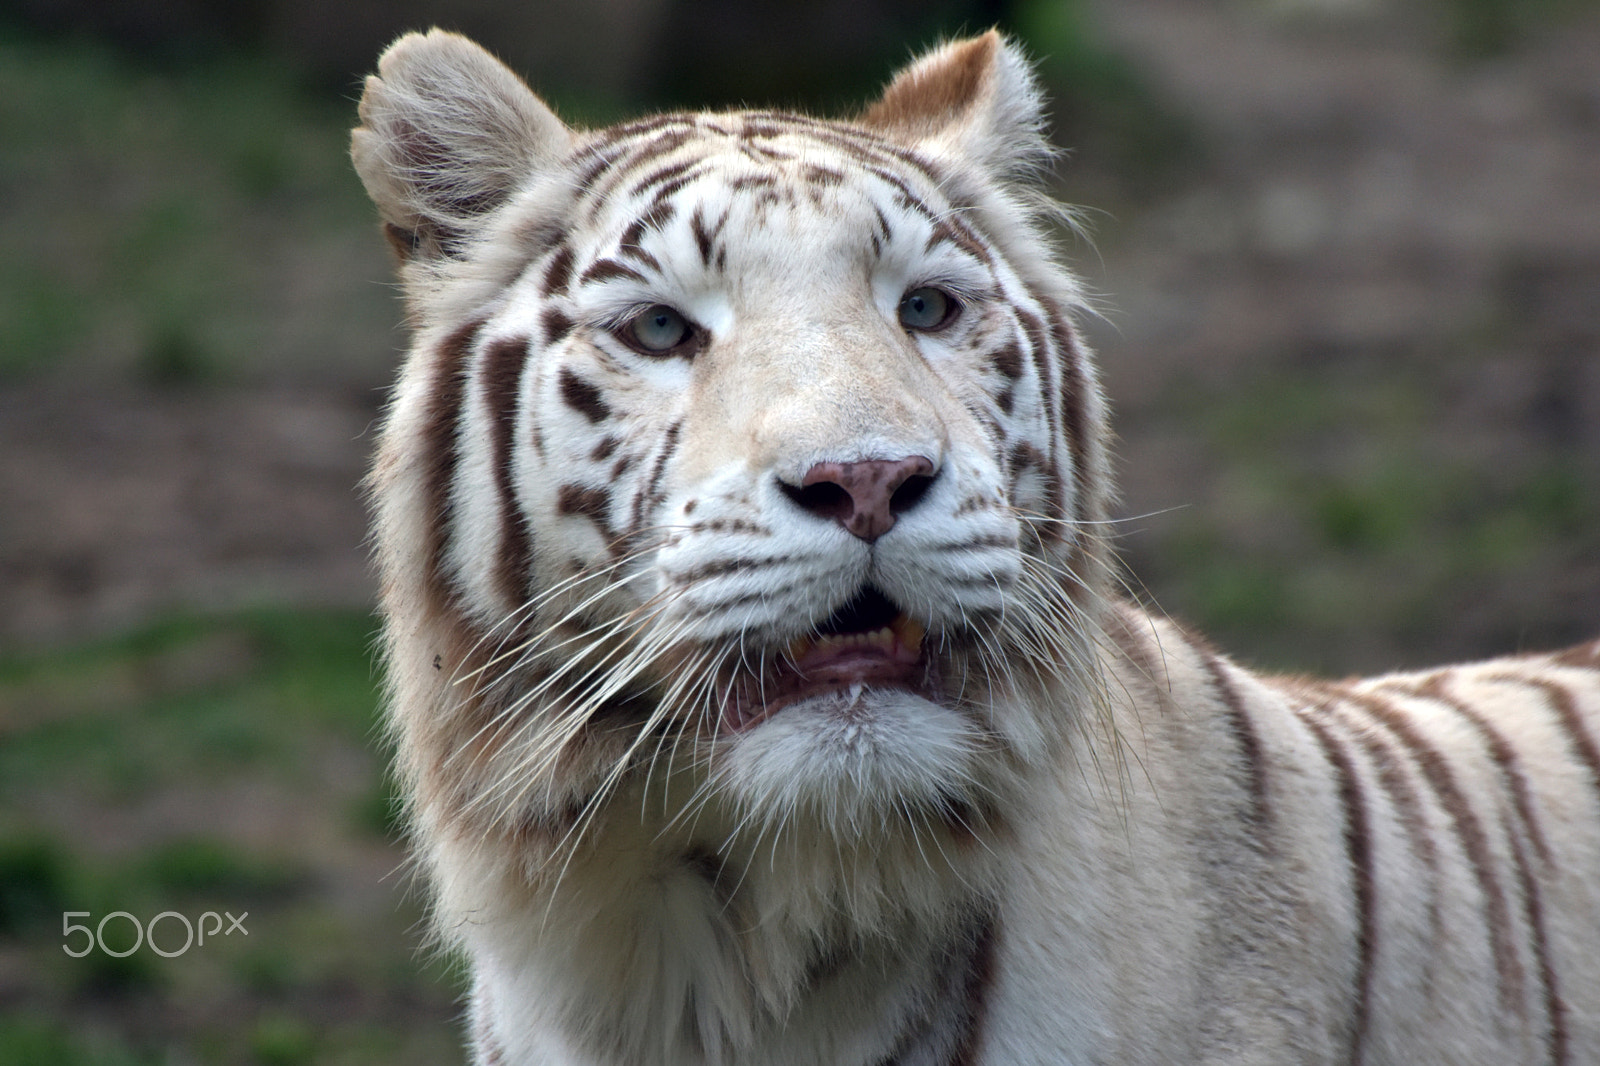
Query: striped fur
(755,668)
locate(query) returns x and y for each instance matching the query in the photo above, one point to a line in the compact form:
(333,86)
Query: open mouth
(868,641)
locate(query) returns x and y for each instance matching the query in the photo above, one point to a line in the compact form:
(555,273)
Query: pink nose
(864,496)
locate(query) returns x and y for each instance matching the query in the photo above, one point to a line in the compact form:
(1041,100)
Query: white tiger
(756,673)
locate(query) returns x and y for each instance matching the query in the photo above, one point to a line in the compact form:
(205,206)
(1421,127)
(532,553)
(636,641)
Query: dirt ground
(1366,206)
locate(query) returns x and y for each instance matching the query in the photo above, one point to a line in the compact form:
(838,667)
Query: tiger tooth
(910,631)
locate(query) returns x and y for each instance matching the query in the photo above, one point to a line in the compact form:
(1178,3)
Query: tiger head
(743,447)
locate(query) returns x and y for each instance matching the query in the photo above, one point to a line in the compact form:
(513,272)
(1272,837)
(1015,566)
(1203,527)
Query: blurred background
(1348,258)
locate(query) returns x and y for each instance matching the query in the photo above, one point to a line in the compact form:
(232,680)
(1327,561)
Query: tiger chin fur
(757,676)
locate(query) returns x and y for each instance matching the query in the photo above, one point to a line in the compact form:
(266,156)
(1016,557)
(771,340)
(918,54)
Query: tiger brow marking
(1470,831)
(608,270)
(441,435)
(502,378)
(1358,846)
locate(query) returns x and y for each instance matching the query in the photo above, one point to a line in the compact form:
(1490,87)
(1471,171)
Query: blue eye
(657,330)
(927,309)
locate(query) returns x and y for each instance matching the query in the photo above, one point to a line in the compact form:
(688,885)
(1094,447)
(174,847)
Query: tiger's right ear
(447,134)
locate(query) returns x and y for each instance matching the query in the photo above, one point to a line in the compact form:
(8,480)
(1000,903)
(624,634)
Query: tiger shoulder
(756,670)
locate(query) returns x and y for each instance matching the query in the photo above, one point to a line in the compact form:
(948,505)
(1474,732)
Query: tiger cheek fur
(754,663)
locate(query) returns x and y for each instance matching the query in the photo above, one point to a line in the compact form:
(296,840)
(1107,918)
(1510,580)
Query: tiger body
(756,673)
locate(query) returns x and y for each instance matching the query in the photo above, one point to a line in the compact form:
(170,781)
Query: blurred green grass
(225,764)
(179,225)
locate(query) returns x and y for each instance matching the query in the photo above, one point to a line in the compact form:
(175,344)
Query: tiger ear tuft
(447,134)
(977,98)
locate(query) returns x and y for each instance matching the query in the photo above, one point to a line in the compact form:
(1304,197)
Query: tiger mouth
(868,642)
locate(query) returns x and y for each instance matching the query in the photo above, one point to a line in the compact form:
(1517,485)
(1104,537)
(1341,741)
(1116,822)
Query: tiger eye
(658,329)
(926,309)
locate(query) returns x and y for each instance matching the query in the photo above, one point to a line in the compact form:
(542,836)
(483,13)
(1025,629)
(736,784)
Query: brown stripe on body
(1474,842)
(1358,846)
(1402,792)
(1555,1006)
(1565,705)
(1500,750)
(502,379)
(975,991)
(1516,782)
(1133,635)
(1244,733)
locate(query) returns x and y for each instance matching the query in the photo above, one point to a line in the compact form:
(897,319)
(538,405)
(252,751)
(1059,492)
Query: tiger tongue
(819,664)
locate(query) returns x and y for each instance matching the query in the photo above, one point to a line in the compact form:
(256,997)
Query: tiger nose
(864,497)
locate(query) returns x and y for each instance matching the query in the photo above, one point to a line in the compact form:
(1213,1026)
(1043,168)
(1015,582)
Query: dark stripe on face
(1474,842)
(702,235)
(663,175)
(559,272)
(652,221)
(1358,846)
(579,501)
(820,175)
(441,428)
(556,326)
(583,397)
(649,497)
(502,379)
(1075,393)
(1007,360)
(608,270)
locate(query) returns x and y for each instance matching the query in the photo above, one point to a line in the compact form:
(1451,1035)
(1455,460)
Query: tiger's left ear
(977,98)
